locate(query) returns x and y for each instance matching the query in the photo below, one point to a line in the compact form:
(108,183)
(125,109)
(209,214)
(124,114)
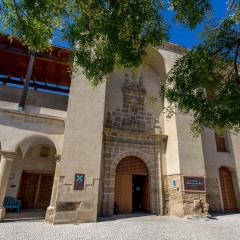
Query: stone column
(82,152)
(5,170)
(50,210)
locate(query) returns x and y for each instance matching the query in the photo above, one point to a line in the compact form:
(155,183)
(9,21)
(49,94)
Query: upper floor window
(220,143)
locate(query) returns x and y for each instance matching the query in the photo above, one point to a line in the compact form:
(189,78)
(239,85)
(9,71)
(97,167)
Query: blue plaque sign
(174,184)
(79,181)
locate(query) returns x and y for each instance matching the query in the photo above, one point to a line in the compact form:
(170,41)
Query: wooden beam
(41,56)
(27,80)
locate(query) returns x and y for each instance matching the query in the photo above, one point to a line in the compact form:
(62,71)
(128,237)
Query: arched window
(220,143)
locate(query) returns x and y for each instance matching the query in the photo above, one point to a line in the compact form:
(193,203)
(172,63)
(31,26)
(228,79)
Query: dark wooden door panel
(228,193)
(145,201)
(29,189)
(36,190)
(45,191)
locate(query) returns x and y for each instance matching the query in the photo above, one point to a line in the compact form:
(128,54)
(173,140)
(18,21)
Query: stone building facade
(112,150)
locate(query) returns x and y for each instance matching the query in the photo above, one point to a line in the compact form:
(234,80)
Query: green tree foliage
(206,80)
(110,34)
(114,33)
(104,34)
(33,22)
(190,12)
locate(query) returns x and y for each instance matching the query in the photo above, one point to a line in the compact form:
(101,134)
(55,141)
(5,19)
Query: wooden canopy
(50,70)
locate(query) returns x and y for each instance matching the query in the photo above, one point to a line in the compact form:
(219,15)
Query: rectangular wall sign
(174,184)
(194,183)
(79,181)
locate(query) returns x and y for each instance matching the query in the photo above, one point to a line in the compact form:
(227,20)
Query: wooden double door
(131,193)
(227,187)
(131,186)
(36,190)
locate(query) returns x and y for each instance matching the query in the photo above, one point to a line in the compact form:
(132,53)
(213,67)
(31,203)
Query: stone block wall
(119,144)
(69,208)
(166,209)
(130,131)
(194,203)
(173,204)
(132,115)
(182,203)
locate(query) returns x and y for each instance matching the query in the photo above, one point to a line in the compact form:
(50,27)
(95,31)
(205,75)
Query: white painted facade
(74,128)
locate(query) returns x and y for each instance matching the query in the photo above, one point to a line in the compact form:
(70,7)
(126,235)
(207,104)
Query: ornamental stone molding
(8,155)
(149,163)
(32,117)
(132,115)
(133,137)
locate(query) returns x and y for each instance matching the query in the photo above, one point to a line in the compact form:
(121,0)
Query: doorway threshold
(122,216)
(28,215)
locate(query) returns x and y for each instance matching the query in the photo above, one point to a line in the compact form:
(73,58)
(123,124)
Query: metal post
(27,80)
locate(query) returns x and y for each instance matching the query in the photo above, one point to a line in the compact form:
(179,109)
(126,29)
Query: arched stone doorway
(228,192)
(131,186)
(32,175)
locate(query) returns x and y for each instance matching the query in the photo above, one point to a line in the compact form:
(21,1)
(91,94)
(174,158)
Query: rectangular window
(220,143)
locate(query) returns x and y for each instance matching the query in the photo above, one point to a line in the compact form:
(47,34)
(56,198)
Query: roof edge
(175,46)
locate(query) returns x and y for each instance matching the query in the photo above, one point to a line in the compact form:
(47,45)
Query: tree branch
(236,61)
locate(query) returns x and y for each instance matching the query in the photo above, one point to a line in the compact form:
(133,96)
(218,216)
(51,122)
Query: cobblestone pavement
(135,227)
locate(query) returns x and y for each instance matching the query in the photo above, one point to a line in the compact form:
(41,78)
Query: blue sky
(178,33)
(187,38)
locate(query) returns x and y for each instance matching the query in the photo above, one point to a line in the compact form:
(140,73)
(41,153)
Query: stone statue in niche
(132,115)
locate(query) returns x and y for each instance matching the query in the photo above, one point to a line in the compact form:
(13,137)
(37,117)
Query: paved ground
(135,227)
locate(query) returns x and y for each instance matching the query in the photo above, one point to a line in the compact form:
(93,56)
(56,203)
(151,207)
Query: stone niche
(132,115)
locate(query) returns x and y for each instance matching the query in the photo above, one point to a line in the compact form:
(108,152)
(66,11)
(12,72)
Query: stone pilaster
(5,170)
(82,153)
(51,209)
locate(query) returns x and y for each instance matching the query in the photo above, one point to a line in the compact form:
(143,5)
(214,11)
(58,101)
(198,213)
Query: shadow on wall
(121,216)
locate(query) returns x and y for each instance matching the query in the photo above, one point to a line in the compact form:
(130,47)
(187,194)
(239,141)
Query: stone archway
(227,188)
(36,166)
(131,186)
(32,173)
(108,184)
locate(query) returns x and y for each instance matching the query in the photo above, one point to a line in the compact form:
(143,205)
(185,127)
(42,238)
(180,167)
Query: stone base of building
(195,204)
(49,214)
(71,213)
(176,202)
(180,203)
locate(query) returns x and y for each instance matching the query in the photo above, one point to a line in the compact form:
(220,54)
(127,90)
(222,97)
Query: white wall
(214,159)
